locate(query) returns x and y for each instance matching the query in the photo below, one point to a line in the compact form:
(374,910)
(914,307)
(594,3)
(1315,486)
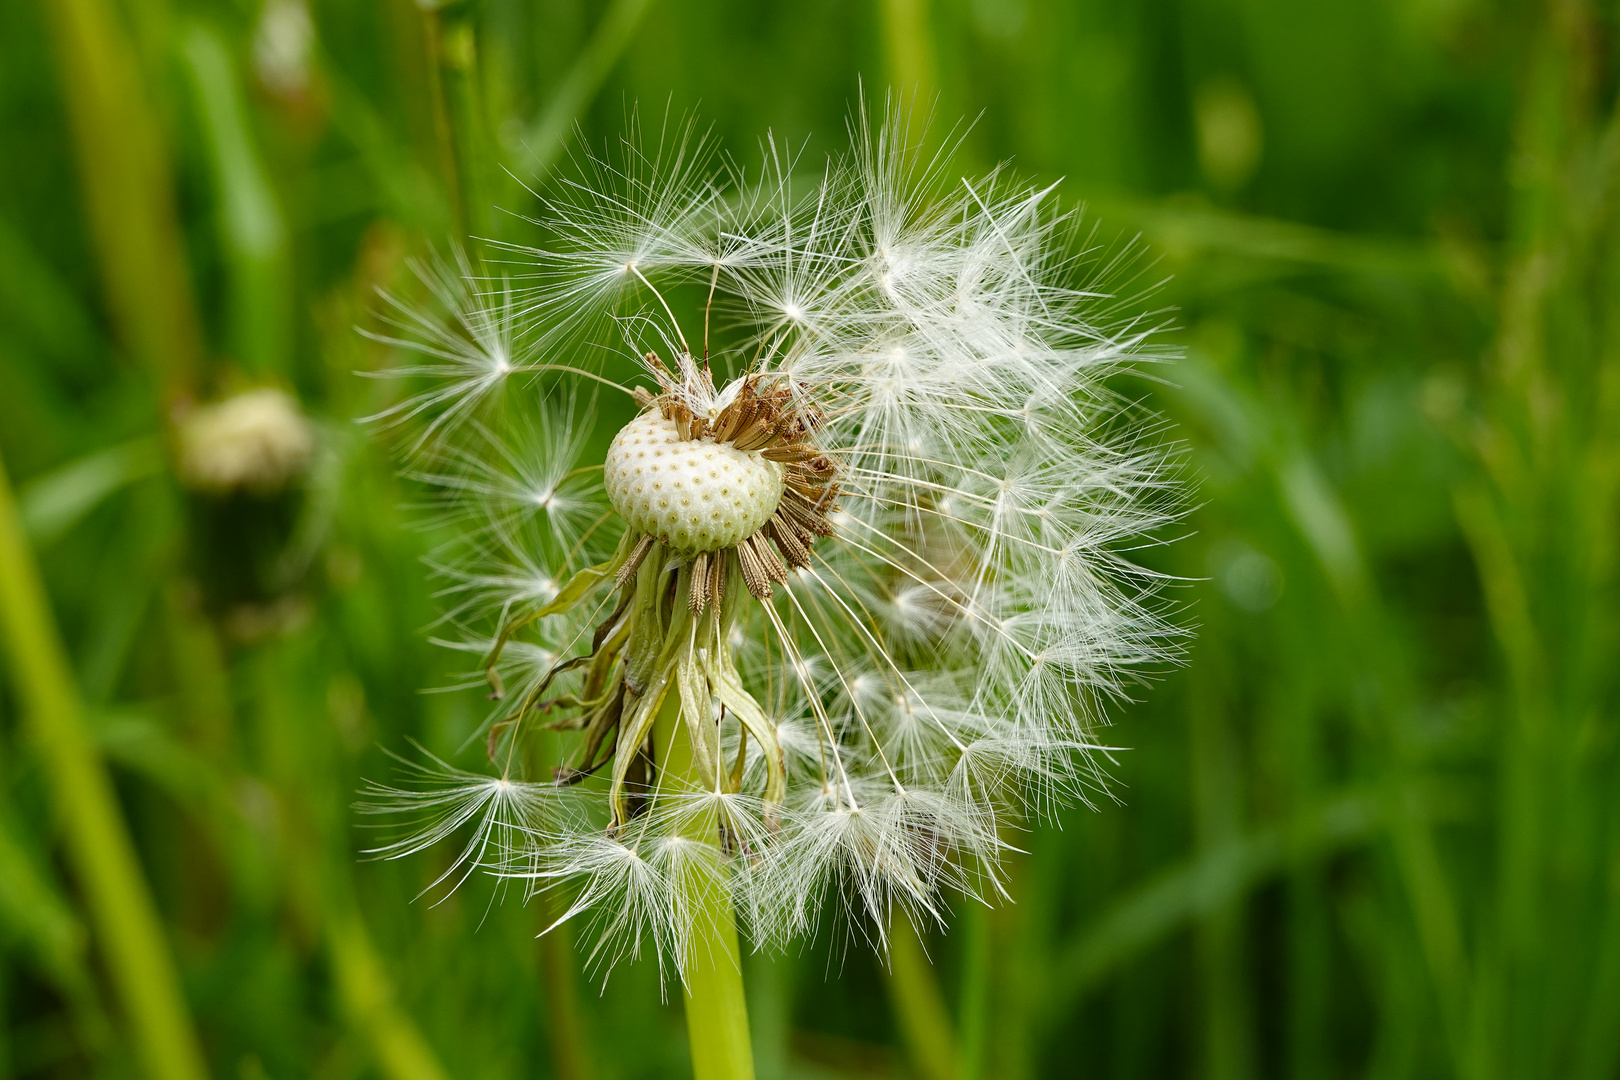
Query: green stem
(909,49)
(444,142)
(770,999)
(570,1053)
(711,971)
(251,229)
(128,196)
(1217,785)
(919,1007)
(545,139)
(974,994)
(368,998)
(299,756)
(466,117)
(559,966)
(125,917)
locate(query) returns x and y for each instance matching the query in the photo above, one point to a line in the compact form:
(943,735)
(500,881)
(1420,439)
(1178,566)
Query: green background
(1369,827)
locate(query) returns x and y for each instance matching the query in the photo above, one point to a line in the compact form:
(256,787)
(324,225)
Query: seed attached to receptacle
(697,495)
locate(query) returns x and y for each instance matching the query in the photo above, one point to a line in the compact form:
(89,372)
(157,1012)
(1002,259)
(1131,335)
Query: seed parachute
(844,599)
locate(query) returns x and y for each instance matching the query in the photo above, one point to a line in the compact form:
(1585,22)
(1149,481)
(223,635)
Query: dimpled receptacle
(696,495)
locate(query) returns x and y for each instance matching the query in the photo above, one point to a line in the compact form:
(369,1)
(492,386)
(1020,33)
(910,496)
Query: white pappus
(844,600)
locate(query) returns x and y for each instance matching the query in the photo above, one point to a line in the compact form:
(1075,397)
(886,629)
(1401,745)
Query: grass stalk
(250,225)
(300,759)
(368,998)
(973,995)
(443,140)
(919,1007)
(466,124)
(908,47)
(99,845)
(41,920)
(770,1007)
(566,1031)
(1217,785)
(543,142)
(1020,945)
(128,196)
(564,1024)
(711,969)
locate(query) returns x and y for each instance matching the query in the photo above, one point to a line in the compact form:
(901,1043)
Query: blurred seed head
(256,441)
(283,45)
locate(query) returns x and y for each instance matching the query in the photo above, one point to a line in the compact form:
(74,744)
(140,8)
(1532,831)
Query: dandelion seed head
(849,592)
(257,440)
(696,495)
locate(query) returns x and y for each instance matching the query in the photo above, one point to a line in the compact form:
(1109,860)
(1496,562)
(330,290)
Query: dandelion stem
(126,920)
(711,971)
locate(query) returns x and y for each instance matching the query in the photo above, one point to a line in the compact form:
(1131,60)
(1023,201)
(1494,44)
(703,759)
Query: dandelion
(843,600)
(257,440)
(283,42)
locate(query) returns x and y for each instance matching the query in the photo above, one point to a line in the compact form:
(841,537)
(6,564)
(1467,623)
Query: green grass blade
(125,918)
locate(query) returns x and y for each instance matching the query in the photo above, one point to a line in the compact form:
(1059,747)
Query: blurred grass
(1370,828)
(96,837)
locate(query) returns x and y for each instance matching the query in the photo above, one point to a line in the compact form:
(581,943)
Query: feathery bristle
(928,621)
